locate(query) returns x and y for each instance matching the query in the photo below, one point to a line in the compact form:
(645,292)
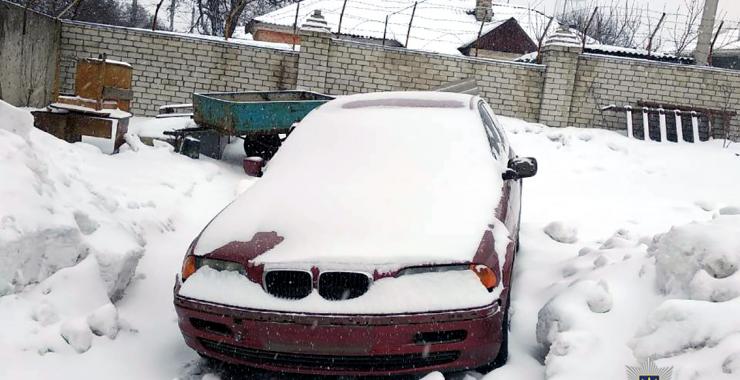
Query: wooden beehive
(102,81)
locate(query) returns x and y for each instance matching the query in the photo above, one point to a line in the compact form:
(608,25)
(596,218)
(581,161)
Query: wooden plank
(115,93)
(84,102)
(91,126)
(703,110)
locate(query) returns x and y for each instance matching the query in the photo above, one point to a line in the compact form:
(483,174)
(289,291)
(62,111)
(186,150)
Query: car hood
(380,186)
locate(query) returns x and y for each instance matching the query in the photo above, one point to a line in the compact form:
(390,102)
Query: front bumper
(323,344)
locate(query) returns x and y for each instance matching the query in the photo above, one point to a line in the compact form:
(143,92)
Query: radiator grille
(343,285)
(288,283)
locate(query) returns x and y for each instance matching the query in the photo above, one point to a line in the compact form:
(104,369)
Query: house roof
(440,26)
(620,51)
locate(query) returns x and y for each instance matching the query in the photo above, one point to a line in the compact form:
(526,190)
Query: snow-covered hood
(379,185)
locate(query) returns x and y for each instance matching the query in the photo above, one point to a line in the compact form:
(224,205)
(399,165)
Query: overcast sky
(731,7)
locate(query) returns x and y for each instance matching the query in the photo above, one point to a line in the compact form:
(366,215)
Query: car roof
(390,178)
(405,99)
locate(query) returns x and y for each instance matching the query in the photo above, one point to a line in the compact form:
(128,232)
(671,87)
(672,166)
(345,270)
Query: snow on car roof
(385,186)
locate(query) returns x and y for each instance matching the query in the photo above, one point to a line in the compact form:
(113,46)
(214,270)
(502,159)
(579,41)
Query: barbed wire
(434,20)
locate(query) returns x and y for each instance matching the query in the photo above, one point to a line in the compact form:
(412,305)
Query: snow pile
(60,313)
(680,326)
(626,301)
(562,232)
(653,269)
(700,261)
(74,224)
(52,215)
(671,300)
(697,263)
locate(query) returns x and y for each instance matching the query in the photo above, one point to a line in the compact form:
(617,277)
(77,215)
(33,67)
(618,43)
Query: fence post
(645,124)
(385,29)
(662,125)
(695,126)
(295,23)
(314,56)
(679,126)
(341,17)
(411,21)
(560,54)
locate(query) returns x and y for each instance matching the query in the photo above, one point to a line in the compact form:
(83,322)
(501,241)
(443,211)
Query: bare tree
(541,26)
(616,23)
(686,25)
(112,12)
(653,40)
(222,17)
(233,17)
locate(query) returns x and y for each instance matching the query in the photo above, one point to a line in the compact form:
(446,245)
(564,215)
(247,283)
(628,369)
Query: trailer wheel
(263,146)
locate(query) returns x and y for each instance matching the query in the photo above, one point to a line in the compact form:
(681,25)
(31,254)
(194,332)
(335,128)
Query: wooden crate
(72,126)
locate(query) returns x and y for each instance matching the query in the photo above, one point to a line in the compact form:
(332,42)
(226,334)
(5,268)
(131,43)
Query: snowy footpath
(630,251)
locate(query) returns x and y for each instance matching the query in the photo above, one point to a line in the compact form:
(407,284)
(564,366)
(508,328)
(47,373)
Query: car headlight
(486,275)
(192,263)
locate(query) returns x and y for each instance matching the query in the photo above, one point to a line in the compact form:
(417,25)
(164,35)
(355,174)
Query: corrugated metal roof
(621,51)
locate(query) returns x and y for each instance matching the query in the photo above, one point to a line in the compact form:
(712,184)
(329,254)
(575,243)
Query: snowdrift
(74,224)
(54,214)
(630,251)
(681,300)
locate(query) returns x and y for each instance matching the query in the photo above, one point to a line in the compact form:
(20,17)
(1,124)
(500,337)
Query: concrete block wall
(560,77)
(29,47)
(168,67)
(312,63)
(513,89)
(603,80)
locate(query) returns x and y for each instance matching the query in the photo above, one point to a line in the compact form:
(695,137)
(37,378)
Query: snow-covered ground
(630,251)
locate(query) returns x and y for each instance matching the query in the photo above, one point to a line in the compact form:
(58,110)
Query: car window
(498,127)
(494,137)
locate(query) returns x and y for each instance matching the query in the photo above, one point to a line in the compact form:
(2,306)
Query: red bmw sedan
(380,240)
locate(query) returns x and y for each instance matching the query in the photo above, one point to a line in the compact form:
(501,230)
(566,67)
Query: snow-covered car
(380,240)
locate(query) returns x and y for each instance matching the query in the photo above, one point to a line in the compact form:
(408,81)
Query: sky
(731,7)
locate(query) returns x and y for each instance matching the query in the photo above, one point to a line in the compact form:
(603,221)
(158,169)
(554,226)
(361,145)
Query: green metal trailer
(260,117)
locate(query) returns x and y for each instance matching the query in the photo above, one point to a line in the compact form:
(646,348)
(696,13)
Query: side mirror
(520,167)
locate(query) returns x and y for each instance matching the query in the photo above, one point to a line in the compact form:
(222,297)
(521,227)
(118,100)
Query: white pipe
(645,125)
(629,122)
(695,126)
(663,130)
(679,126)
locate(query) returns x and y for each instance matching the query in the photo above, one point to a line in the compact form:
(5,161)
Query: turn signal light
(188,267)
(486,275)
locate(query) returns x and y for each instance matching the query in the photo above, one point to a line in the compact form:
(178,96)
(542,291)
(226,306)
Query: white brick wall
(603,80)
(513,89)
(169,68)
(567,90)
